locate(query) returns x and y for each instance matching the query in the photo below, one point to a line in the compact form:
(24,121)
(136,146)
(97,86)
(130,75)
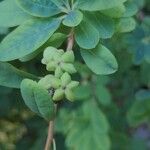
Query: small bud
(68,68)
(58,54)
(61,51)
(58,72)
(55,83)
(51,66)
(69,95)
(58,95)
(72,84)
(48,54)
(46,81)
(65,79)
(68,57)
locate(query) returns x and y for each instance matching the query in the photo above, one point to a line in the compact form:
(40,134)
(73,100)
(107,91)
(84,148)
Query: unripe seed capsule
(46,81)
(51,66)
(69,95)
(48,53)
(65,79)
(68,57)
(58,72)
(55,83)
(58,95)
(61,51)
(72,84)
(68,68)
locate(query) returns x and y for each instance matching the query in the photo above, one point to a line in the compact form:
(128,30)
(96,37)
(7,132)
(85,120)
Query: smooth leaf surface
(73,18)
(82,92)
(103,95)
(86,35)
(27,91)
(105,25)
(39,8)
(126,25)
(131,9)
(100,60)
(11,15)
(37,99)
(27,38)
(11,76)
(44,103)
(139,113)
(93,126)
(96,5)
(115,12)
(55,40)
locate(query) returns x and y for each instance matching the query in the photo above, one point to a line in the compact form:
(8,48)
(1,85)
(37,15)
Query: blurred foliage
(111,112)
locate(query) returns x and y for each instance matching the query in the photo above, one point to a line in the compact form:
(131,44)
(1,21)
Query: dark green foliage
(109,112)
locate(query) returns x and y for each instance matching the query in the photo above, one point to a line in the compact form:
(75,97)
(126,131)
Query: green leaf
(115,12)
(142,94)
(86,35)
(139,113)
(96,5)
(39,8)
(103,95)
(11,76)
(44,103)
(56,40)
(131,9)
(27,38)
(82,92)
(11,15)
(30,56)
(37,99)
(93,126)
(100,60)
(73,18)
(105,25)
(126,25)
(27,90)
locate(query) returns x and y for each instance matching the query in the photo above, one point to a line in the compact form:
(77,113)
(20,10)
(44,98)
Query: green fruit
(68,68)
(58,95)
(69,95)
(48,54)
(68,57)
(51,66)
(55,83)
(65,79)
(46,82)
(61,51)
(72,84)
(58,72)
(58,55)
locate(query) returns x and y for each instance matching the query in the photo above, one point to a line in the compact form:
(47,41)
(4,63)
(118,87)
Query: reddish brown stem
(49,140)
(70,40)
(50,133)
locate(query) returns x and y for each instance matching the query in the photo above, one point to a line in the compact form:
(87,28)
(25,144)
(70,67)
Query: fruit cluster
(61,63)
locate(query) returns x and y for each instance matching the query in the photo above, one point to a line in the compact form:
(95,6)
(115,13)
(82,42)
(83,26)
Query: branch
(50,135)
(49,140)
(70,40)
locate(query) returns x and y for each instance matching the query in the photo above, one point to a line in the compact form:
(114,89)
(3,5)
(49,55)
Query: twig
(70,42)
(50,133)
(49,140)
